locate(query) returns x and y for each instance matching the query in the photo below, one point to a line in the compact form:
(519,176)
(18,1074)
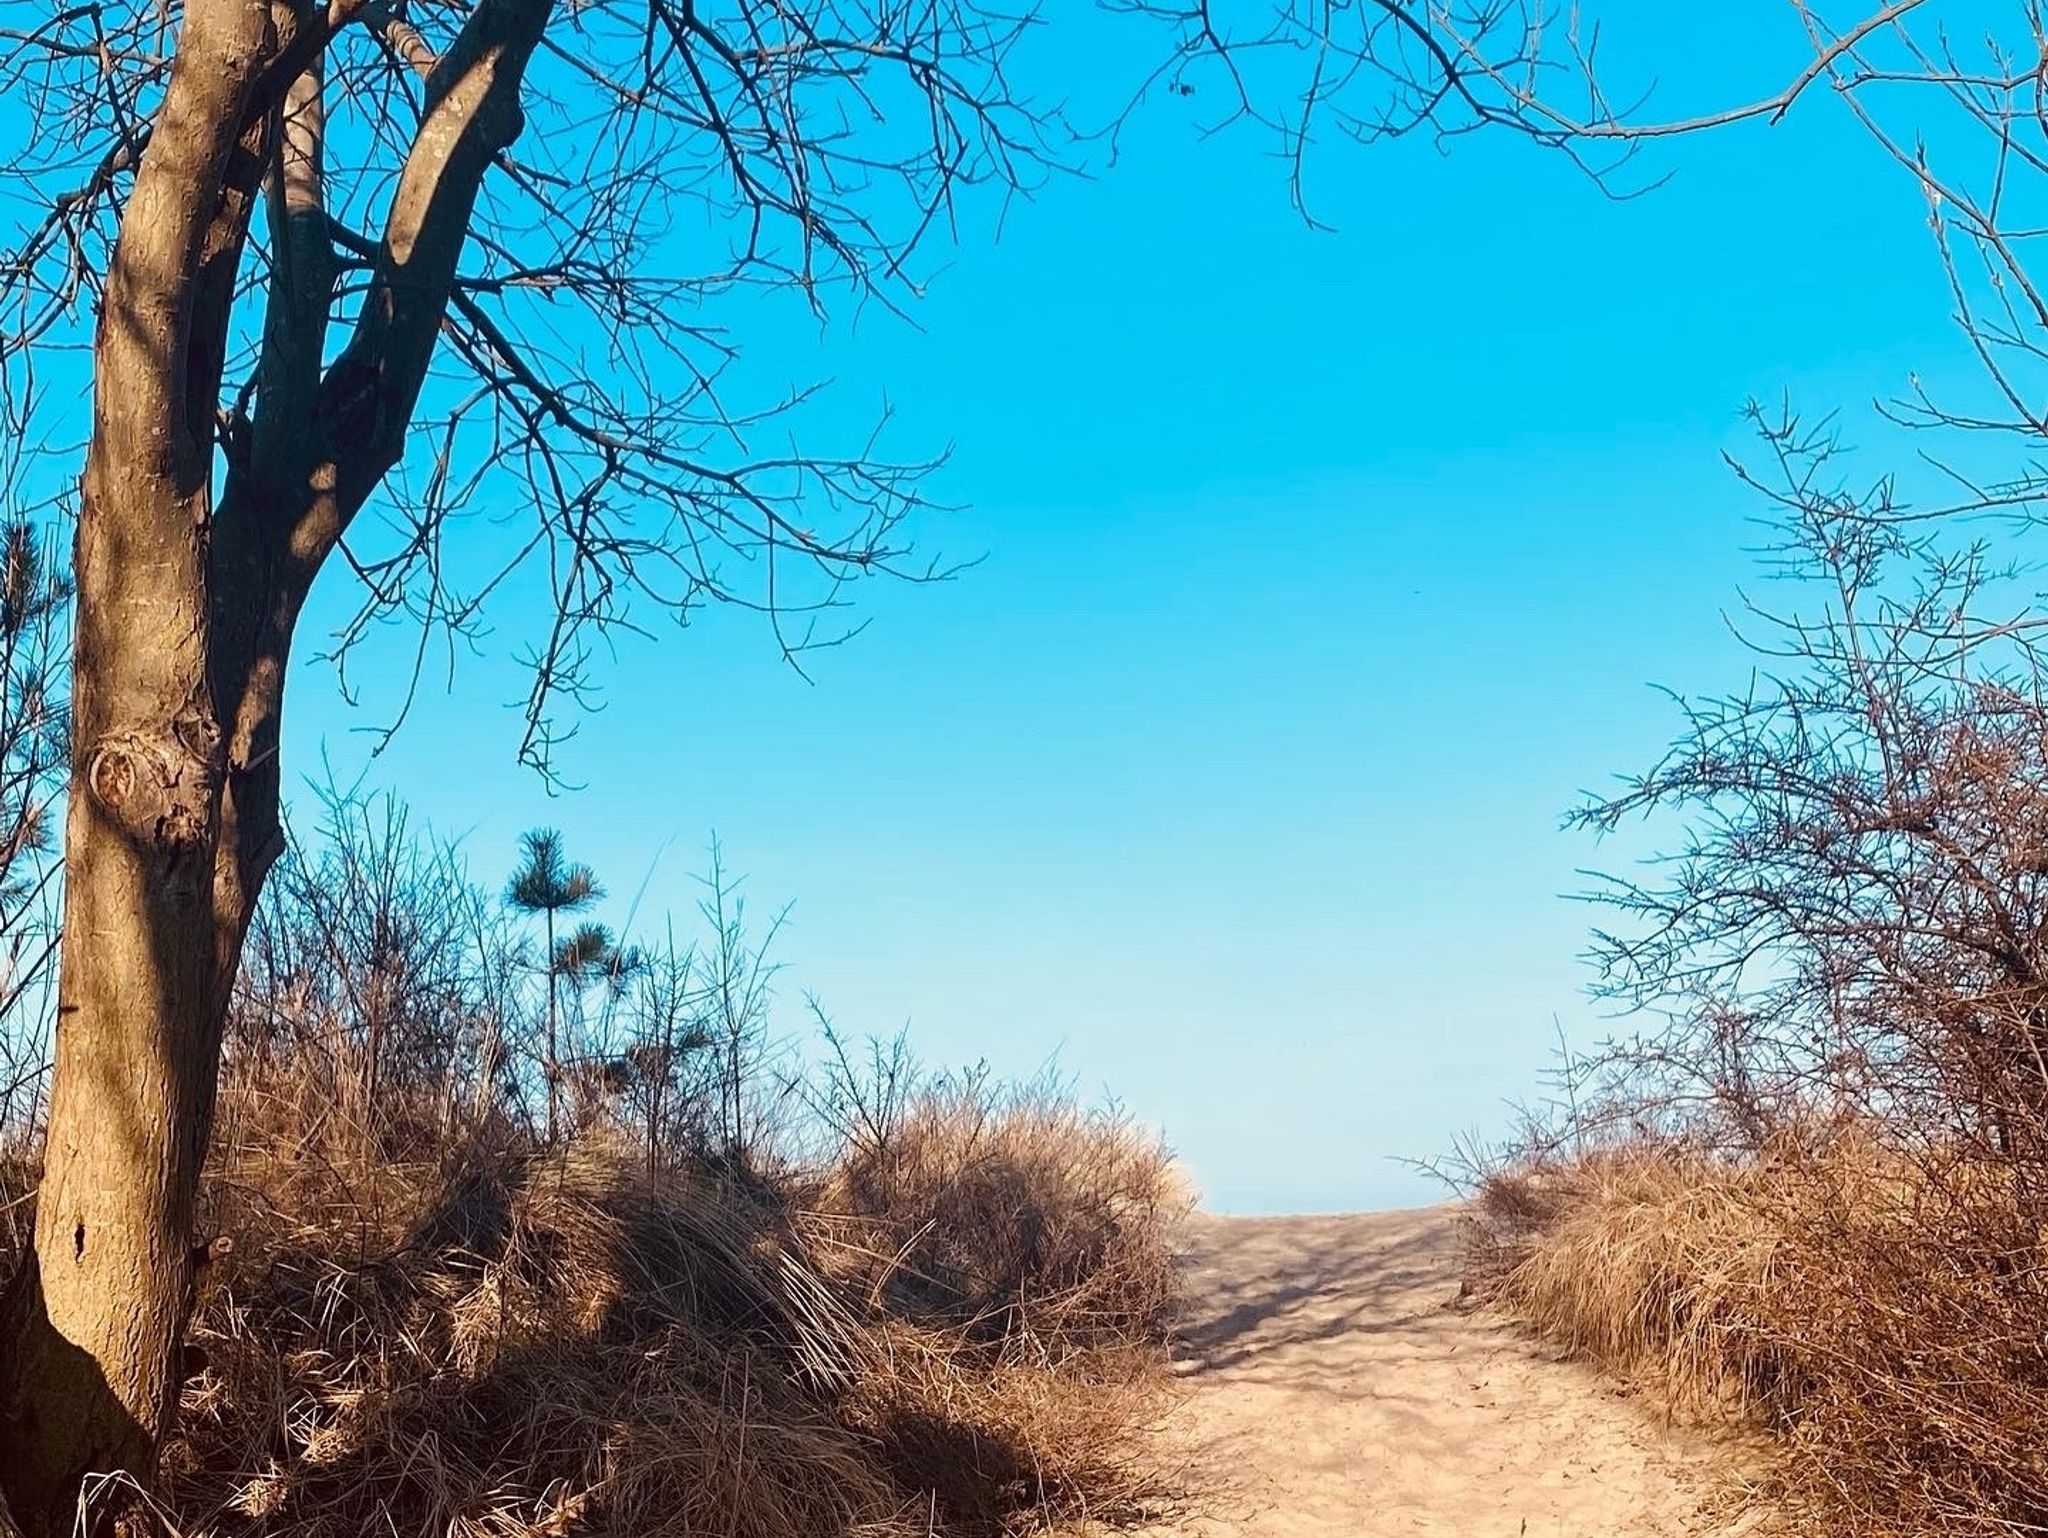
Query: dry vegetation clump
(1020,1246)
(1812,1189)
(1886,1317)
(515,1245)
(1648,1260)
(517,1343)
(1013,1214)
(995,1439)
(427,1329)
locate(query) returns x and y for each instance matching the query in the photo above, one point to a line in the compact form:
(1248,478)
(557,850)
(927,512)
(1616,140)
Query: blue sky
(1320,572)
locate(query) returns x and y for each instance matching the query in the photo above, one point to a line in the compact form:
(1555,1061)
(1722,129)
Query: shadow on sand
(1272,1291)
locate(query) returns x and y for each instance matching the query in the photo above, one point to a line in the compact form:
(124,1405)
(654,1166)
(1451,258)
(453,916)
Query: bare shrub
(378,988)
(697,1067)
(1813,1193)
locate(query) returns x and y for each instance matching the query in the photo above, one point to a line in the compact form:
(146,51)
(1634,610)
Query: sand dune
(1334,1390)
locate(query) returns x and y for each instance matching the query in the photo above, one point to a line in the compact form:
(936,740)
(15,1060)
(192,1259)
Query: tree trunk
(184,620)
(554,1067)
(94,1320)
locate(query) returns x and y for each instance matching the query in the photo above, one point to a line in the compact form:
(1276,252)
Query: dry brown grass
(1885,1318)
(1014,1217)
(536,1344)
(1021,1246)
(1647,1260)
(417,1334)
(998,1439)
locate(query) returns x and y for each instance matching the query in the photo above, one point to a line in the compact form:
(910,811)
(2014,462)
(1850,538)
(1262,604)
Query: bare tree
(386,293)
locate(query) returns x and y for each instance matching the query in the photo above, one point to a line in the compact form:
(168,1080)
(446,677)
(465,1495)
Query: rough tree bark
(184,620)
(94,1318)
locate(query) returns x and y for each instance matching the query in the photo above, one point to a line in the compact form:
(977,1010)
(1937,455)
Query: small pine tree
(547,884)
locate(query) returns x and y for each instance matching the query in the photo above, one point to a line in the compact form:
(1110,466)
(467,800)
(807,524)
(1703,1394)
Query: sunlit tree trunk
(185,613)
(94,1319)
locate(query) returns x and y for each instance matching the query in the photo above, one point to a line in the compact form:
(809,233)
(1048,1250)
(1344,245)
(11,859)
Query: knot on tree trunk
(162,787)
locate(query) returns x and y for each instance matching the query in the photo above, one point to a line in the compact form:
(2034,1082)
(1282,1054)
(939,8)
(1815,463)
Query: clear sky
(1321,572)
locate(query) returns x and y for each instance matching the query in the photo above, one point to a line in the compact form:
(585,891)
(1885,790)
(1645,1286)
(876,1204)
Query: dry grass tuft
(1646,1260)
(1886,1318)
(1003,1438)
(1014,1217)
(1020,1245)
(529,1345)
(416,1334)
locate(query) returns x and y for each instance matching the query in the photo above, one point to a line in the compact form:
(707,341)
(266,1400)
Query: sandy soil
(1334,1390)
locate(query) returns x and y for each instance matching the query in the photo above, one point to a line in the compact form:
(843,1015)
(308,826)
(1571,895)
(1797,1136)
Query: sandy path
(1333,1392)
